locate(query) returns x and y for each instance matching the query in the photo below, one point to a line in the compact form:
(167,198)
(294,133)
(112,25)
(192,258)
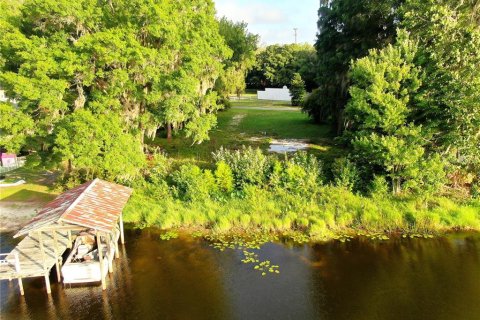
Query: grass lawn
(254,123)
(37,189)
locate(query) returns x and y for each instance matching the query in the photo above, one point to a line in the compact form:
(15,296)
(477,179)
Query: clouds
(274,20)
(250,12)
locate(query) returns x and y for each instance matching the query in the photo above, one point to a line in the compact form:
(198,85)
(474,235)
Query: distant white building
(276,94)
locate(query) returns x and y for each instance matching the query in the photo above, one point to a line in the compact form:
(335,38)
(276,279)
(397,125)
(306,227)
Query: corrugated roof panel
(96,204)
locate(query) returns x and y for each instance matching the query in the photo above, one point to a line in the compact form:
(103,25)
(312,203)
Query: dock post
(122,236)
(47,283)
(17,269)
(42,249)
(20,286)
(117,252)
(57,264)
(100,256)
(110,259)
(69,244)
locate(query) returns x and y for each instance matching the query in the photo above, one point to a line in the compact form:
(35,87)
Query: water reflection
(187,279)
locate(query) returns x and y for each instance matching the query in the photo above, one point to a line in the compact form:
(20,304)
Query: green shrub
(193,183)
(160,167)
(224,177)
(345,174)
(249,166)
(379,187)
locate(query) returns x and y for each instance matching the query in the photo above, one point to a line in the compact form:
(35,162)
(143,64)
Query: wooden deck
(33,261)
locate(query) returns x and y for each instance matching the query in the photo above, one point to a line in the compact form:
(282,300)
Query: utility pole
(295,29)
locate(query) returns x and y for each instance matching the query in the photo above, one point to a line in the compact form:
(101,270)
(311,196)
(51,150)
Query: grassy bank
(251,193)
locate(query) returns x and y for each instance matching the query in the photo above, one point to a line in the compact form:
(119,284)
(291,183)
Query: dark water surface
(187,279)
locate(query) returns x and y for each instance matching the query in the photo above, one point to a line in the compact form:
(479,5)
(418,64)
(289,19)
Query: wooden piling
(117,251)
(109,247)
(17,269)
(100,256)
(45,269)
(122,236)
(57,263)
(47,283)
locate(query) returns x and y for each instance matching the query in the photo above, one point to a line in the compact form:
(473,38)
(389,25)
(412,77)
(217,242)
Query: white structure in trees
(277,94)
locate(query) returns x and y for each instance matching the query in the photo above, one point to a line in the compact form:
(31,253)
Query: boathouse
(94,208)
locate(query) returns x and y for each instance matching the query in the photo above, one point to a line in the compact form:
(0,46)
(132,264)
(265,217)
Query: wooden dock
(35,256)
(95,206)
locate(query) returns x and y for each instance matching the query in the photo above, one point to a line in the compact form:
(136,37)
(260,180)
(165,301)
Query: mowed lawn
(255,123)
(38,186)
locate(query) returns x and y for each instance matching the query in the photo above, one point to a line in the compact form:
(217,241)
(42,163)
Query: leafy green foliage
(224,177)
(249,166)
(448,34)
(276,65)
(98,146)
(345,174)
(151,63)
(384,87)
(347,30)
(243,45)
(15,127)
(193,183)
(292,201)
(297,90)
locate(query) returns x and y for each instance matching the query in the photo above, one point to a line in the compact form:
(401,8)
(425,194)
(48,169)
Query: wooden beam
(42,250)
(69,232)
(100,257)
(17,269)
(122,236)
(57,264)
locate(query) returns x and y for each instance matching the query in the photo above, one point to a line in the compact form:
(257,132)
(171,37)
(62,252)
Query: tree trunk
(169,131)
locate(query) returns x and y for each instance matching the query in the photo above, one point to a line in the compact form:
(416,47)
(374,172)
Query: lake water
(188,279)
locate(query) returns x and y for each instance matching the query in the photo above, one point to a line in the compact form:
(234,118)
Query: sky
(274,20)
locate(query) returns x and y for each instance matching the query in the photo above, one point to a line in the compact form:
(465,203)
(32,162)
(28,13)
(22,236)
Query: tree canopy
(243,45)
(347,30)
(276,65)
(152,64)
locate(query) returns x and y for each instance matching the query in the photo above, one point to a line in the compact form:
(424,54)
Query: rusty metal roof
(96,204)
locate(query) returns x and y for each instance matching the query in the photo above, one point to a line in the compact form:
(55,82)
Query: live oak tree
(151,63)
(95,145)
(15,128)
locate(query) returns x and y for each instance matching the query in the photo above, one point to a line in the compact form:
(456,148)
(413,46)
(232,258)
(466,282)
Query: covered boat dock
(95,206)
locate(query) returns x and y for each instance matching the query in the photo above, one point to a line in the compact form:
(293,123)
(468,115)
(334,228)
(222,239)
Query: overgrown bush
(345,174)
(248,165)
(193,183)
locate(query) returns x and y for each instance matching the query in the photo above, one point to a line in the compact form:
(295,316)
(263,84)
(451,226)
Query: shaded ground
(19,204)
